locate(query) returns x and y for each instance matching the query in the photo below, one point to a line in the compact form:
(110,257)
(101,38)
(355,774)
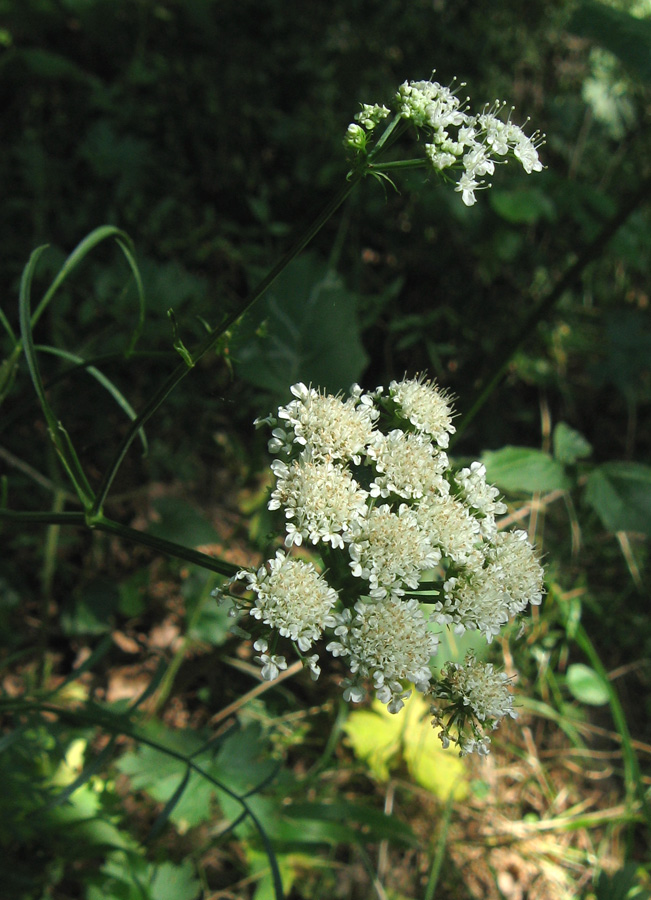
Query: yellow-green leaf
(381,740)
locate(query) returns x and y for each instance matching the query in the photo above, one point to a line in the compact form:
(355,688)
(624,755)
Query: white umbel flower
(426,406)
(474,601)
(451,527)
(519,570)
(321,500)
(388,641)
(292,598)
(330,427)
(390,550)
(475,698)
(429,104)
(408,465)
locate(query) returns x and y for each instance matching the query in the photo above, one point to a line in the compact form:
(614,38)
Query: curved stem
(211,339)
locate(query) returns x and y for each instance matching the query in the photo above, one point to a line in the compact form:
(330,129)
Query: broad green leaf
(586,685)
(132,877)
(180,522)
(522,206)
(241,764)
(311,332)
(375,739)
(289,864)
(569,444)
(171,882)
(379,738)
(620,493)
(524,469)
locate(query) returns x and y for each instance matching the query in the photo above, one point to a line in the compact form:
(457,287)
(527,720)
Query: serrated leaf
(171,882)
(524,469)
(620,493)
(569,444)
(586,685)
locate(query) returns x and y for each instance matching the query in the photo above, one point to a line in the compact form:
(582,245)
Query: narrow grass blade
(59,435)
(106,383)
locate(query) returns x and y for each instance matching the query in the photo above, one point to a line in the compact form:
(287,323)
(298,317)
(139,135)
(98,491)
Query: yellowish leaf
(381,739)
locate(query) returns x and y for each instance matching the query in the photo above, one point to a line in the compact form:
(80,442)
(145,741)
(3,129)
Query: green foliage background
(211,132)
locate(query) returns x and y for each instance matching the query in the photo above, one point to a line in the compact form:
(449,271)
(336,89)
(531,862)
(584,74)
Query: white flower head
(388,641)
(473,601)
(520,572)
(407,464)
(390,550)
(482,498)
(475,698)
(329,427)
(426,406)
(293,599)
(321,500)
(450,526)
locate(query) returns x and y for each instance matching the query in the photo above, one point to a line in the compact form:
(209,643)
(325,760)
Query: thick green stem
(101,523)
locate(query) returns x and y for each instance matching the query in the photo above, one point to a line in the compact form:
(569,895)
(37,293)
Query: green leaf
(311,332)
(180,523)
(377,825)
(170,882)
(380,739)
(624,884)
(524,469)
(522,207)
(569,445)
(586,685)
(92,609)
(627,37)
(620,493)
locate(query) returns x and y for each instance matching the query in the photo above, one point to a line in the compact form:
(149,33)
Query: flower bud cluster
(366,484)
(454,139)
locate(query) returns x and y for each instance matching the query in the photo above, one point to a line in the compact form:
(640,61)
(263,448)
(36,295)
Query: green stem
(400,164)
(211,339)
(101,523)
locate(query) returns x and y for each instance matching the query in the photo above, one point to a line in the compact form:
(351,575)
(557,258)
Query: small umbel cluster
(454,141)
(401,546)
